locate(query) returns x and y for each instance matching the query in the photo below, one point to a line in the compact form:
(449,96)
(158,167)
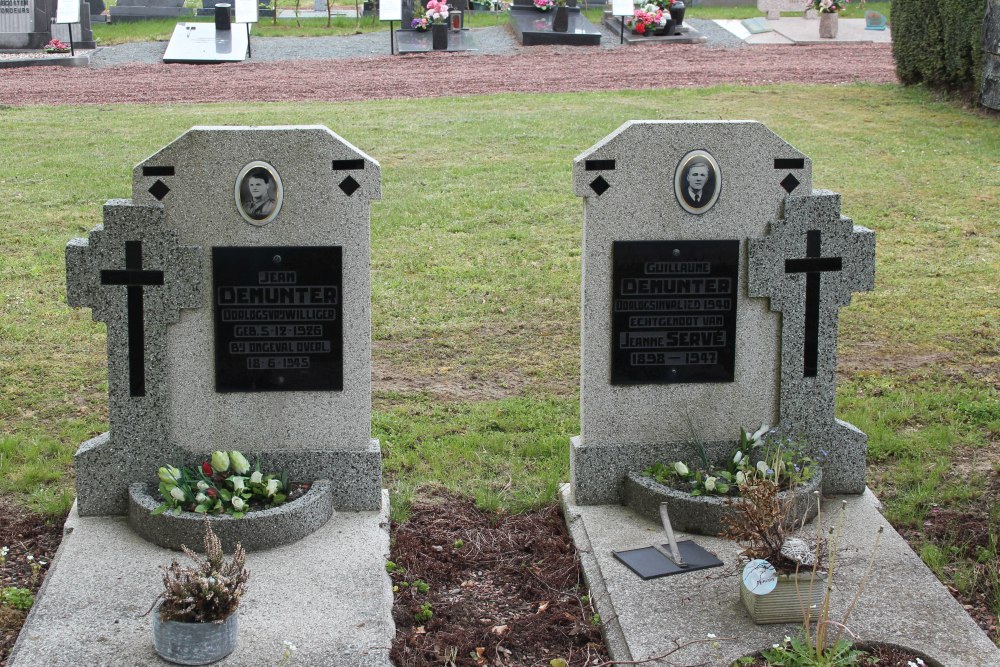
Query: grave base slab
(534,28)
(903,604)
(328,594)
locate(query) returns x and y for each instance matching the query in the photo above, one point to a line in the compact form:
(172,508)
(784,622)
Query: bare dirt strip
(534,70)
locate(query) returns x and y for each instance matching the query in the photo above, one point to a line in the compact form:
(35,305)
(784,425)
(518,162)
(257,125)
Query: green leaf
(201,509)
(160,510)
(279,498)
(226,495)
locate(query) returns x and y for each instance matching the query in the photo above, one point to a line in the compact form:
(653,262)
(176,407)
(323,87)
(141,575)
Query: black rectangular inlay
(673,311)
(344,165)
(278,318)
(157,171)
(599,165)
(789,163)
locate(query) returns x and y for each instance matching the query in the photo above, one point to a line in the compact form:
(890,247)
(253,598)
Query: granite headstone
(238,313)
(712,278)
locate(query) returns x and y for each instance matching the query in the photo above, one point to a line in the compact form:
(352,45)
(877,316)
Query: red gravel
(536,69)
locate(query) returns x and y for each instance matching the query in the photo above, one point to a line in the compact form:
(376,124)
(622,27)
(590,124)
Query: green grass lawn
(476,273)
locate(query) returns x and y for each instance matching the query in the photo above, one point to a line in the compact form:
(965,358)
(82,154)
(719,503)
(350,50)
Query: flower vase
(560,20)
(677,13)
(439,35)
(828,24)
(792,596)
(194,643)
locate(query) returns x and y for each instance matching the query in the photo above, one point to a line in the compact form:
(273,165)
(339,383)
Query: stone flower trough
(702,515)
(256,531)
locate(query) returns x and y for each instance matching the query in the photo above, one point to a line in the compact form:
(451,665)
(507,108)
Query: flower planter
(194,643)
(703,514)
(828,25)
(439,36)
(259,530)
(788,602)
(560,20)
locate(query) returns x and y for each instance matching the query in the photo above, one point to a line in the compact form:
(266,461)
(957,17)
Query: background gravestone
(137,10)
(25,24)
(681,336)
(229,332)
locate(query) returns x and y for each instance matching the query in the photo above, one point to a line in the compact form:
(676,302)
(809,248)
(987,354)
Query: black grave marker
(812,265)
(134,278)
(673,311)
(278,318)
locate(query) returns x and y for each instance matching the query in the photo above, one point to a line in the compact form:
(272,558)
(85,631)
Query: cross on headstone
(134,278)
(813,265)
(808,289)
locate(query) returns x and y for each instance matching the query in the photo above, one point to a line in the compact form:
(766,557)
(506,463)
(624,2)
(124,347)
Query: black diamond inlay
(159,190)
(599,185)
(790,183)
(349,186)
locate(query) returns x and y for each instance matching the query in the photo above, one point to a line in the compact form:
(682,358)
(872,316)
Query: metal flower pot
(439,36)
(560,20)
(677,13)
(828,24)
(194,643)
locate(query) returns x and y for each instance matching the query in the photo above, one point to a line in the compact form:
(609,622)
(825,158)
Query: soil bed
(503,589)
(541,69)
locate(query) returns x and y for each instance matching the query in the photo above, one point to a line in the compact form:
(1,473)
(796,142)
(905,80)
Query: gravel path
(290,69)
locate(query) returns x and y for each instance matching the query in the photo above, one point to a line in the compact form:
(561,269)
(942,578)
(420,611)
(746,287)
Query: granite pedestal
(903,603)
(415,41)
(328,594)
(202,43)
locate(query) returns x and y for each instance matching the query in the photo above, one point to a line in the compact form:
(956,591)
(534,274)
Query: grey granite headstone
(149,273)
(25,24)
(689,345)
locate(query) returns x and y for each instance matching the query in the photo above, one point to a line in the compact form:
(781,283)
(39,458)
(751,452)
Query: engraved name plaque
(278,318)
(673,311)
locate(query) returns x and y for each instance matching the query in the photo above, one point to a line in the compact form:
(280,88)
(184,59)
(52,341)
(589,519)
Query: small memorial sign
(390,10)
(674,311)
(278,322)
(68,11)
(622,7)
(759,577)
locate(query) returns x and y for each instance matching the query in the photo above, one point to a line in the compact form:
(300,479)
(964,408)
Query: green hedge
(939,43)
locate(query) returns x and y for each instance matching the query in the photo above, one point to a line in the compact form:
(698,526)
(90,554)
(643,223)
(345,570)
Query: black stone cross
(813,264)
(134,279)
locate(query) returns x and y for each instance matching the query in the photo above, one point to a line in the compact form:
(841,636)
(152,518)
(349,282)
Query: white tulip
(762,467)
(741,477)
(681,469)
(201,498)
(238,503)
(177,493)
(256,477)
(239,483)
(272,487)
(202,486)
(738,457)
(764,428)
(710,483)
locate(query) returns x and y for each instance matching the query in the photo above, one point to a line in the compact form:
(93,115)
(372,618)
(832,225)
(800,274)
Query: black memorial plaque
(278,318)
(673,311)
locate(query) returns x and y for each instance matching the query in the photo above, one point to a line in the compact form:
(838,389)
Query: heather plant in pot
(196,622)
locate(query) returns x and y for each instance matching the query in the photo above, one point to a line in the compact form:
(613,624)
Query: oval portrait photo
(697,182)
(258,193)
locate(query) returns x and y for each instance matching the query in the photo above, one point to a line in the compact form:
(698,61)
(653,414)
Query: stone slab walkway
(903,604)
(328,594)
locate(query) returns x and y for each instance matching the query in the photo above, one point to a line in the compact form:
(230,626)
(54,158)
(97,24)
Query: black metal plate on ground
(673,311)
(278,318)
(649,563)
(534,28)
